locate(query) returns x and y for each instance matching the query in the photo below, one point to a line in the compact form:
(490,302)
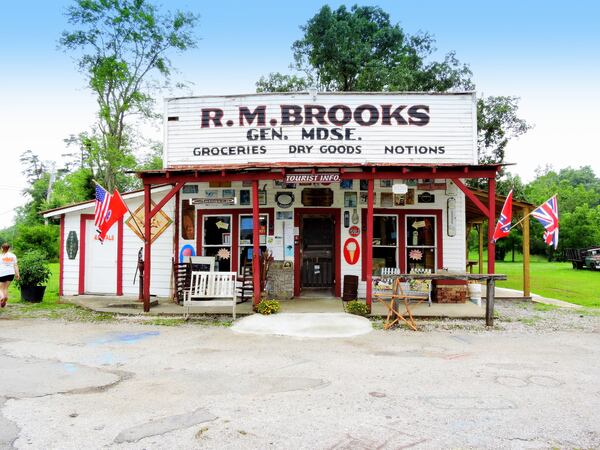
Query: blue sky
(546,52)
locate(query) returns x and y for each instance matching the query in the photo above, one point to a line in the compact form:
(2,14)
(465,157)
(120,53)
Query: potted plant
(34,273)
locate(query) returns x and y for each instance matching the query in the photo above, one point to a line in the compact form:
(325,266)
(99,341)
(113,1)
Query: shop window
(420,242)
(385,242)
(246,238)
(217,240)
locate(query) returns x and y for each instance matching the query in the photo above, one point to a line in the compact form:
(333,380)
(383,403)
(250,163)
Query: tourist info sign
(323,128)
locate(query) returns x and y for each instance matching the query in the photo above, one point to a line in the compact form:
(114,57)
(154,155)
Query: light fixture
(312,91)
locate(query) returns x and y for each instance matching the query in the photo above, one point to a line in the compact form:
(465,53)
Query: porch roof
(474,214)
(350,169)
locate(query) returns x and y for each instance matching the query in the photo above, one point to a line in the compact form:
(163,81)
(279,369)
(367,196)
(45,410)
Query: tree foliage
(121,46)
(497,124)
(361,50)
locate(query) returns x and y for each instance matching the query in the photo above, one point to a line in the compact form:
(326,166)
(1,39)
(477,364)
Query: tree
(497,124)
(361,50)
(121,46)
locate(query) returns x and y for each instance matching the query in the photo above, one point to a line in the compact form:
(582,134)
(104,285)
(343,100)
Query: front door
(100,260)
(316,252)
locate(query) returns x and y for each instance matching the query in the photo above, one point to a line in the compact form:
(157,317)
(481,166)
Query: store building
(332,184)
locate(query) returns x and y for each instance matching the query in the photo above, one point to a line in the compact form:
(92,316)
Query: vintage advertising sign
(212,201)
(159,223)
(326,128)
(351,251)
(313,178)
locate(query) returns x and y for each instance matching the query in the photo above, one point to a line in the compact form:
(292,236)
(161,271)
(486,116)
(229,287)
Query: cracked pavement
(123,385)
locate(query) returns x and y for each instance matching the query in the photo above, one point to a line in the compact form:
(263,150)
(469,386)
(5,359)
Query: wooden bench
(208,289)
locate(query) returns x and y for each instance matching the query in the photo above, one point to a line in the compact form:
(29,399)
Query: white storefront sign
(329,128)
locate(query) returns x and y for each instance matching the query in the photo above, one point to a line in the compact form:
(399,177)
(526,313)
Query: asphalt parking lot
(124,385)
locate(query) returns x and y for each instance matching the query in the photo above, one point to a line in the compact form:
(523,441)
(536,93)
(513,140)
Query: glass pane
(421,258)
(246,229)
(217,230)
(246,256)
(222,257)
(420,231)
(383,257)
(384,230)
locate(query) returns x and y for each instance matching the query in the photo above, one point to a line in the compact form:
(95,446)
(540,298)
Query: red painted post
(255,242)
(147,244)
(491,224)
(368,250)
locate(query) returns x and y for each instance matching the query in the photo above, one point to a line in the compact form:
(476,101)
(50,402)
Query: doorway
(316,252)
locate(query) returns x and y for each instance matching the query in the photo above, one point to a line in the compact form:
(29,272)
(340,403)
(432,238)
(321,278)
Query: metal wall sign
(327,128)
(72,244)
(212,201)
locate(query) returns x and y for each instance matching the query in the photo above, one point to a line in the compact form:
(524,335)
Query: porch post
(147,244)
(526,274)
(491,224)
(368,251)
(255,243)
(480,235)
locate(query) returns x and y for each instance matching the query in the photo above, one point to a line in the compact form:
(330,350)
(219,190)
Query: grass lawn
(549,279)
(555,280)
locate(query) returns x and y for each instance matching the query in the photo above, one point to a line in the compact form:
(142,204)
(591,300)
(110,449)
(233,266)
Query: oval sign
(351,251)
(354,231)
(284,199)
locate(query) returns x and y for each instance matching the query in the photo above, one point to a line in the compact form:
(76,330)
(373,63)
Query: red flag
(505,219)
(114,211)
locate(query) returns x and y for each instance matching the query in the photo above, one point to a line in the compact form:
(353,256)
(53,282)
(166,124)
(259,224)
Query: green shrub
(37,237)
(33,269)
(267,307)
(357,307)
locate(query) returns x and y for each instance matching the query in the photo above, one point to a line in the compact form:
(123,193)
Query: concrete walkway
(165,307)
(509,294)
(305,325)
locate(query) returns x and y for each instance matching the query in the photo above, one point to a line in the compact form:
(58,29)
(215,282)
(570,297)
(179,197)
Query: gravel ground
(72,380)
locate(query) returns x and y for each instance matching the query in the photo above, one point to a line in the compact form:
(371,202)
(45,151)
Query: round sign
(284,199)
(351,251)
(186,250)
(354,231)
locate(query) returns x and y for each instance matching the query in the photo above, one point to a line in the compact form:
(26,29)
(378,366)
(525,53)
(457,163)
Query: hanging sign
(313,178)
(351,251)
(354,231)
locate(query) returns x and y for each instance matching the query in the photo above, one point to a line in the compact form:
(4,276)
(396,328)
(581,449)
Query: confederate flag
(503,225)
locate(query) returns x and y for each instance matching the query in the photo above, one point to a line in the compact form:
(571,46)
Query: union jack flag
(505,219)
(547,215)
(102,206)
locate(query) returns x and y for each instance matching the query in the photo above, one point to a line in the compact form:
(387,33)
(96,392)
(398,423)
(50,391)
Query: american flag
(547,215)
(505,219)
(102,206)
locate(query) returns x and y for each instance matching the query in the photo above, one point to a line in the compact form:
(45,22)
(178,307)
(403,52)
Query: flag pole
(133,218)
(525,217)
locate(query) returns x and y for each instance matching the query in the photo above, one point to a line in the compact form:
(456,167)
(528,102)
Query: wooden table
(490,280)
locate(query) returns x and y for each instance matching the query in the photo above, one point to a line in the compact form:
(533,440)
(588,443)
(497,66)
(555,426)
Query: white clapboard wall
(426,129)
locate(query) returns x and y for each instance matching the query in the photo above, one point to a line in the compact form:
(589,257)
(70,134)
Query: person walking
(9,270)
